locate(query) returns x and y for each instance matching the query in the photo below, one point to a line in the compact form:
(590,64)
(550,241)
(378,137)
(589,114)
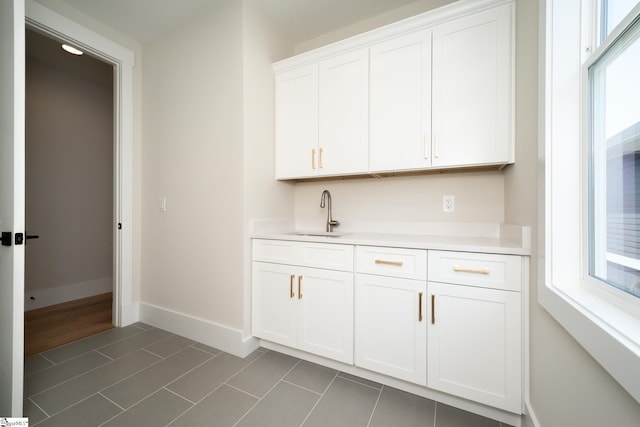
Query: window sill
(614,343)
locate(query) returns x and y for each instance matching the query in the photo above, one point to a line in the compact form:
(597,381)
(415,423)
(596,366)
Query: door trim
(123,60)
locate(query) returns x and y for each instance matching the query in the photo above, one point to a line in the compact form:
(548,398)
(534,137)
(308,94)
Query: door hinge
(119,226)
(19,238)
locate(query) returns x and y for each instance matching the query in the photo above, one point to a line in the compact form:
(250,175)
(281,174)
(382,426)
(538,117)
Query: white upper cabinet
(297,122)
(400,103)
(344,116)
(322,118)
(430,92)
(473,90)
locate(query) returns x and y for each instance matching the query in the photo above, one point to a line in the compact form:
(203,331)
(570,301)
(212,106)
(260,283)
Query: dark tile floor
(143,376)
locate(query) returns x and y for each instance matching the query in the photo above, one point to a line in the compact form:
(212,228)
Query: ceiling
(300,20)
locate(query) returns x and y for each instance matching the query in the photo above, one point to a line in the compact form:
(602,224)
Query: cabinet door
(400,103)
(274,306)
(391,331)
(297,123)
(325,313)
(344,114)
(474,348)
(472,90)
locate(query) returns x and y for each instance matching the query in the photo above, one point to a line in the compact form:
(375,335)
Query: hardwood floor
(49,327)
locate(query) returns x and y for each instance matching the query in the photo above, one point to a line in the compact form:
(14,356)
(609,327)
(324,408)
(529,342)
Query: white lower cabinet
(391,335)
(391,327)
(449,321)
(310,309)
(475,331)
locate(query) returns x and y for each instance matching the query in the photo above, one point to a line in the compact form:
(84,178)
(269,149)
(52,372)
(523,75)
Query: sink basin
(319,233)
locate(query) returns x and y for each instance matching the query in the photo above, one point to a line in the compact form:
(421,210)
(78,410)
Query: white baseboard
(59,294)
(529,418)
(129,314)
(206,332)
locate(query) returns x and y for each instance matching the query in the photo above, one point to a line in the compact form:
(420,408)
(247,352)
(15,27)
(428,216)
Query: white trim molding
(609,333)
(204,331)
(123,59)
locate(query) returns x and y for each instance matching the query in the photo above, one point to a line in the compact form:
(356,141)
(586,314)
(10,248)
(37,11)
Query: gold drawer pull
(313,159)
(320,159)
(291,294)
(471,270)
(420,307)
(299,287)
(386,262)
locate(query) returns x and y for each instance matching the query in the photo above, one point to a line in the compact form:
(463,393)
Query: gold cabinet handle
(387,262)
(471,270)
(420,307)
(313,159)
(320,165)
(291,294)
(299,287)
(433,309)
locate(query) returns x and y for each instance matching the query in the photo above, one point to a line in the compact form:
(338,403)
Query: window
(613,124)
(590,126)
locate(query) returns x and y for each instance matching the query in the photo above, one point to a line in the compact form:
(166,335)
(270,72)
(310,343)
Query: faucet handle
(334,222)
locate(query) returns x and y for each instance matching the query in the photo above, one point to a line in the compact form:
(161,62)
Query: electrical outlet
(448,203)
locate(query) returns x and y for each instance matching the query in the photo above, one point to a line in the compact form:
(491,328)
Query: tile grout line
(39,407)
(71,378)
(375,406)
(94,348)
(301,387)
(165,385)
(435,414)
(268,391)
(116,415)
(321,396)
(360,383)
(102,389)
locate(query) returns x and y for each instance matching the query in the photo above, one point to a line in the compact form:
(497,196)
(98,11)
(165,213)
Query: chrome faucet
(326,197)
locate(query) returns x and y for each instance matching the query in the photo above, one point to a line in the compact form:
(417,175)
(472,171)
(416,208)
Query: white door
(400,103)
(391,327)
(472,89)
(11,205)
(275,303)
(475,344)
(325,313)
(344,114)
(297,123)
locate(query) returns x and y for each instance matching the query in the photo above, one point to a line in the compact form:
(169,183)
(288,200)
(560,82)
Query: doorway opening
(70,268)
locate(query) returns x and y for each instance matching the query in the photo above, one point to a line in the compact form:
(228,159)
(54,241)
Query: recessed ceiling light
(72,49)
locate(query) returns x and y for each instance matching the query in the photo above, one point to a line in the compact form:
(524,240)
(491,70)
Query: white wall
(264,197)
(567,386)
(69,182)
(479,197)
(192,254)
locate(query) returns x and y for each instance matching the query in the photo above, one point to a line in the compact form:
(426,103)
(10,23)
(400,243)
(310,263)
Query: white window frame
(604,320)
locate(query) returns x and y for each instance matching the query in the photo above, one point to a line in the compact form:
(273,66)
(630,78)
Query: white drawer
(276,251)
(326,255)
(476,269)
(393,262)
(318,255)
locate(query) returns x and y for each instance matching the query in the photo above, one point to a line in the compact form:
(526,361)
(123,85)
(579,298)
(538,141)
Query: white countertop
(508,239)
